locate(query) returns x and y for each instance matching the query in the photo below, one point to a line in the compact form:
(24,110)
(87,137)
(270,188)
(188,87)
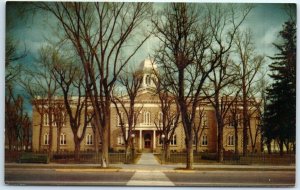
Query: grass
(235,169)
(210,158)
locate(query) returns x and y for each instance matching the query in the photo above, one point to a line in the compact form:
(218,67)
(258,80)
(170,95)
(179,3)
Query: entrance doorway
(147,140)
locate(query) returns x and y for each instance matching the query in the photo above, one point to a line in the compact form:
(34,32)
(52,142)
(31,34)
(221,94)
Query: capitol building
(147,136)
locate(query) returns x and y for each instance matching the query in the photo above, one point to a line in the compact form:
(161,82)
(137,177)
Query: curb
(98,169)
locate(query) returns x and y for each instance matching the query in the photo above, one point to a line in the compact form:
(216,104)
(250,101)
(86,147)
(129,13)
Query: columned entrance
(147,141)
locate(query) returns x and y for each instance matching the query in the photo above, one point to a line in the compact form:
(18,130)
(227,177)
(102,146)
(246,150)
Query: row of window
(46,119)
(120,140)
(147,118)
(63,139)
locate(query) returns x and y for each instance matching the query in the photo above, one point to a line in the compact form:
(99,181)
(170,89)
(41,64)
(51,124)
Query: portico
(146,138)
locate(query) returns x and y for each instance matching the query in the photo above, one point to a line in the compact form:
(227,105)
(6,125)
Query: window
(46,139)
(239,119)
(89,124)
(63,114)
(230,140)
(235,118)
(148,79)
(89,139)
(120,119)
(120,140)
(204,120)
(46,119)
(147,118)
(204,140)
(194,139)
(63,140)
(160,118)
(173,140)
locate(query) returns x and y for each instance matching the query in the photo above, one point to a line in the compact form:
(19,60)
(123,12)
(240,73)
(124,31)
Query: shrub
(34,158)
(209,156)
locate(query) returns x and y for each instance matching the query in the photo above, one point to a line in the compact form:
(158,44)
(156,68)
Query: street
(46,176)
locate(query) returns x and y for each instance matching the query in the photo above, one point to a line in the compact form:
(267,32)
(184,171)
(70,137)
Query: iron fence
(69,157)
(231,158)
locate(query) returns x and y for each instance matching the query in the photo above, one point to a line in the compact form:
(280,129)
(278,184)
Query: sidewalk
(147,162)
(148,172)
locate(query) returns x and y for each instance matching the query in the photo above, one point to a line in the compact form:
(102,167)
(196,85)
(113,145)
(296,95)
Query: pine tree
(280,113)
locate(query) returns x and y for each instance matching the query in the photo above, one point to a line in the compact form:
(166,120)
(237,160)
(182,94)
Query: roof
(147,64)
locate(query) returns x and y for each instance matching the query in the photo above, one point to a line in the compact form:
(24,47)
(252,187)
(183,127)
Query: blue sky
(265,21)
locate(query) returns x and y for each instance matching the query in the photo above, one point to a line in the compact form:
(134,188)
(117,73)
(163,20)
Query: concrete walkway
(146,162)
(149,173)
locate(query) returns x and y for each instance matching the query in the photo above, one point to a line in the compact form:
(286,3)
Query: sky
(31,31)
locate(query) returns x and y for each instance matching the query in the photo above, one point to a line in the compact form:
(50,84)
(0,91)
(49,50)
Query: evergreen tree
(280,113)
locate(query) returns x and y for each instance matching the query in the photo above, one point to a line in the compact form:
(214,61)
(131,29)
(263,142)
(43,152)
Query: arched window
(54,119)
(147,118)
(89,139)
(63,114)
(46,139)
(120,118)
(148,79)
(46,119)
(173,140)
(230,140)
(204,140)
(160,118)
(120,140)
(204,120)
(63,139)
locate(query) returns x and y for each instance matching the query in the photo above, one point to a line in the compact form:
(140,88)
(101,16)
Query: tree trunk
(97,142)
(190,156)
(281,147)
(127,154)
(167,152)
(58,140)
(269,146)
(40,133)
(9,143)
(50,139)
(104,149)
(220,144)
(236,143)
(197,144)
(245,110)
(287,147)
(294,147)
(105,142)
(77,149)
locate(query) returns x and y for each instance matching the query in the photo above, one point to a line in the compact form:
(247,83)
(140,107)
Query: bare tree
(128,115)
(191,48)
(59,119)
(38,80)
(100,34)
(13,118)
(12,69)
(13,103)
(26,128)
(234,119)
(39,104)
(168,118)
(223,95)
(199,126)
(249,68)
(69,77)
(181,60)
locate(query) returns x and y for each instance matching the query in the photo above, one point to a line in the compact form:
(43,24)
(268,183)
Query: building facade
(147,137)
